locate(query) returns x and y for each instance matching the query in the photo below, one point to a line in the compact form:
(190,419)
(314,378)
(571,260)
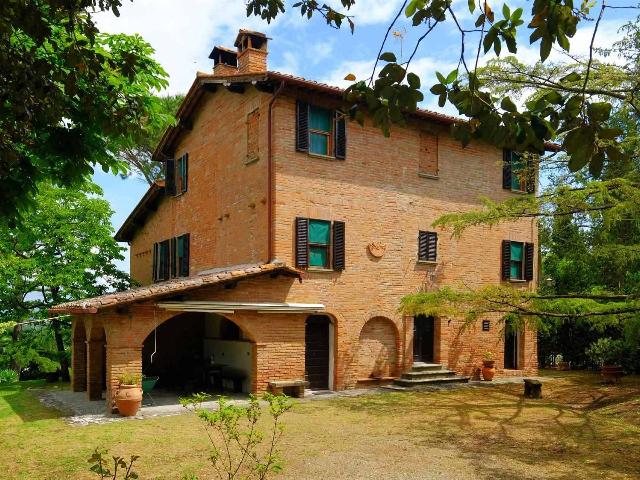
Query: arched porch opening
(79,356)
(199,352)
(96,363)
(378,346)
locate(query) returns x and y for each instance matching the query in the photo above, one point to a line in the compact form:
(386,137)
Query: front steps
(427,374)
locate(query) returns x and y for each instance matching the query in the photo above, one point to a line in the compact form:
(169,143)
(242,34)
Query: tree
(63,250)
(67,93)
(138,149)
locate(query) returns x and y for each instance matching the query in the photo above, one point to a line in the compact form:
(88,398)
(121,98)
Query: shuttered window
(427,246)
(320,244)
(161,261)
(176,175)
(428,160)
(320,131)
(171,258)
(518,173)
(517,260)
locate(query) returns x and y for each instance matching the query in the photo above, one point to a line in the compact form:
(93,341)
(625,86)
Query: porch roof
(174,286)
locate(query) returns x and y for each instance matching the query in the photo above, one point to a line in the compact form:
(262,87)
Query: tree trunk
(64,363)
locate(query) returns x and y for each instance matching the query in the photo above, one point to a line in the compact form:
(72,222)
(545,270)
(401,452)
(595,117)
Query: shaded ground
(581,429)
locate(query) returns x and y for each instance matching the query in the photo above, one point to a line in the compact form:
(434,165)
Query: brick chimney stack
(252,52)
(225,61)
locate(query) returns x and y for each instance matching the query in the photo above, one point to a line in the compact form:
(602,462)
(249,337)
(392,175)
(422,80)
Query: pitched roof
(149,202)
(177,285)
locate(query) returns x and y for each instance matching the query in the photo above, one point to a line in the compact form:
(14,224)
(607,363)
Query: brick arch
(79,356)
(378,349)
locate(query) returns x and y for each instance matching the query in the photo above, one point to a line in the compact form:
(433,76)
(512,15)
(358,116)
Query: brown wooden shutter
(338,246)
(174,255)
(170,177)
(506,260)
(154,274)
(341,136)
(302,242)
(302,126)
(528,261)
(531,176)
(427,246)
(184,267)
(506,169)
(164,259)
(186,172)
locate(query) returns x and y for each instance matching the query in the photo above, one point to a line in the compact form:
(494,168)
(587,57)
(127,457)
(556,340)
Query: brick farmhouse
(283,237)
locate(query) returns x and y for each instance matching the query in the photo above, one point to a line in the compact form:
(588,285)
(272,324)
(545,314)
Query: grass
(580,429)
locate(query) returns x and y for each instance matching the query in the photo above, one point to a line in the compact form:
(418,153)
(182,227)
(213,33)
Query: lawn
(581,429)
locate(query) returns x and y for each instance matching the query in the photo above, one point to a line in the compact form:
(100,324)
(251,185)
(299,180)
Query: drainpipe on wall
(270,228)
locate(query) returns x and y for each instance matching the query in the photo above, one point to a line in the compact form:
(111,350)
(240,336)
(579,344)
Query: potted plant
(488,366)
(129,394)
(607,353)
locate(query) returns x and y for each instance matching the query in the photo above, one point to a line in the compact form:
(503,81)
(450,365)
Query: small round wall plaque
(377,249)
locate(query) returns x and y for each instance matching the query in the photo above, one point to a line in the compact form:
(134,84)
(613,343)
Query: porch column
(121,360)
(79,365)
(95,368)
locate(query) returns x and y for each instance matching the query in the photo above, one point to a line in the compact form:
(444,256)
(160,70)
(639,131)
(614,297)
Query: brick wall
(224,208)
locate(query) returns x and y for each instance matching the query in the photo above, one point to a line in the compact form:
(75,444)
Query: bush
(606,351)
(8,376)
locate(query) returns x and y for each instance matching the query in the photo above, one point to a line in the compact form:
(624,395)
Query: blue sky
(183,32)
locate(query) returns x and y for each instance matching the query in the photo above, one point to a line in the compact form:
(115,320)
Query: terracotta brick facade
(386,191)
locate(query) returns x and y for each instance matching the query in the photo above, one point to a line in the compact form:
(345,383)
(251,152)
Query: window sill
(324,157)
(515,280)
(519,192)
(428,175)
(320,270)
(250,160)
(427,262)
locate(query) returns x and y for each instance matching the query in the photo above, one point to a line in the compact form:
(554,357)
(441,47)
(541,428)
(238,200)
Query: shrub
(130,379)
(8,376)
(121,469)
(605,351)
(238,448)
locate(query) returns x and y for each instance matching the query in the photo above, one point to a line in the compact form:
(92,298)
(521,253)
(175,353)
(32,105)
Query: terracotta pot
(611,373)
(128,400)
(488,369)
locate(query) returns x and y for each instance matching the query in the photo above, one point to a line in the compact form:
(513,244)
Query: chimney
(225,61)
(252,52)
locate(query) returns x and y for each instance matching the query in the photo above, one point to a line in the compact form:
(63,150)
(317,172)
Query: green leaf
(453,75)
(599,111)
(480,20)
(545,48)
(388,57)
(596,163)
(517,14)
(572,77)
(610,133)
(554,97)
(472,5)
(441,78)
(506,13)
(442,100)
(508,105)
(497,46)
(438,89)
(413,80)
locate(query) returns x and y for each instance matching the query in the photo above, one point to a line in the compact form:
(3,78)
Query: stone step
(423,367)
(413,375)
(403,382)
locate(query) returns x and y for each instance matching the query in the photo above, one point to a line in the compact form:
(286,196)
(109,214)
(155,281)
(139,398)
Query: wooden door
(510,348)
(316,363)
(423,338)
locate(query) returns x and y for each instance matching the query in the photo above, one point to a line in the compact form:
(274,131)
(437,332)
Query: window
(161,261)
(180,256)
(319,234)
(428,161)
(517,172)
(427,246)
(517,260)
(320,244)
(320,131)
(253,147)
(171,258)
(176,175)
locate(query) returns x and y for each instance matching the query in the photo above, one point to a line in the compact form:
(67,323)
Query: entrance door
(316,364)
(510,348)
(423,338)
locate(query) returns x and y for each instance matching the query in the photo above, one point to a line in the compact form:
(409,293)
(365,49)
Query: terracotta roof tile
(170,287)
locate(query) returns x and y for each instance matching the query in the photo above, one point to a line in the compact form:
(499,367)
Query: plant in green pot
(488,366)
(607,353)
(129,394)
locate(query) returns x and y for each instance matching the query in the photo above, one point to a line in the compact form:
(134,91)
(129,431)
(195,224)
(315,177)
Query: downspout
(270,229)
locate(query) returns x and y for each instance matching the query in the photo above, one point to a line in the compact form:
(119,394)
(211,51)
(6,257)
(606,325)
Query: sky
(183,33)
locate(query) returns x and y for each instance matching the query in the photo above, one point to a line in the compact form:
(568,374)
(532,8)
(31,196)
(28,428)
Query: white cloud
(183,33)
